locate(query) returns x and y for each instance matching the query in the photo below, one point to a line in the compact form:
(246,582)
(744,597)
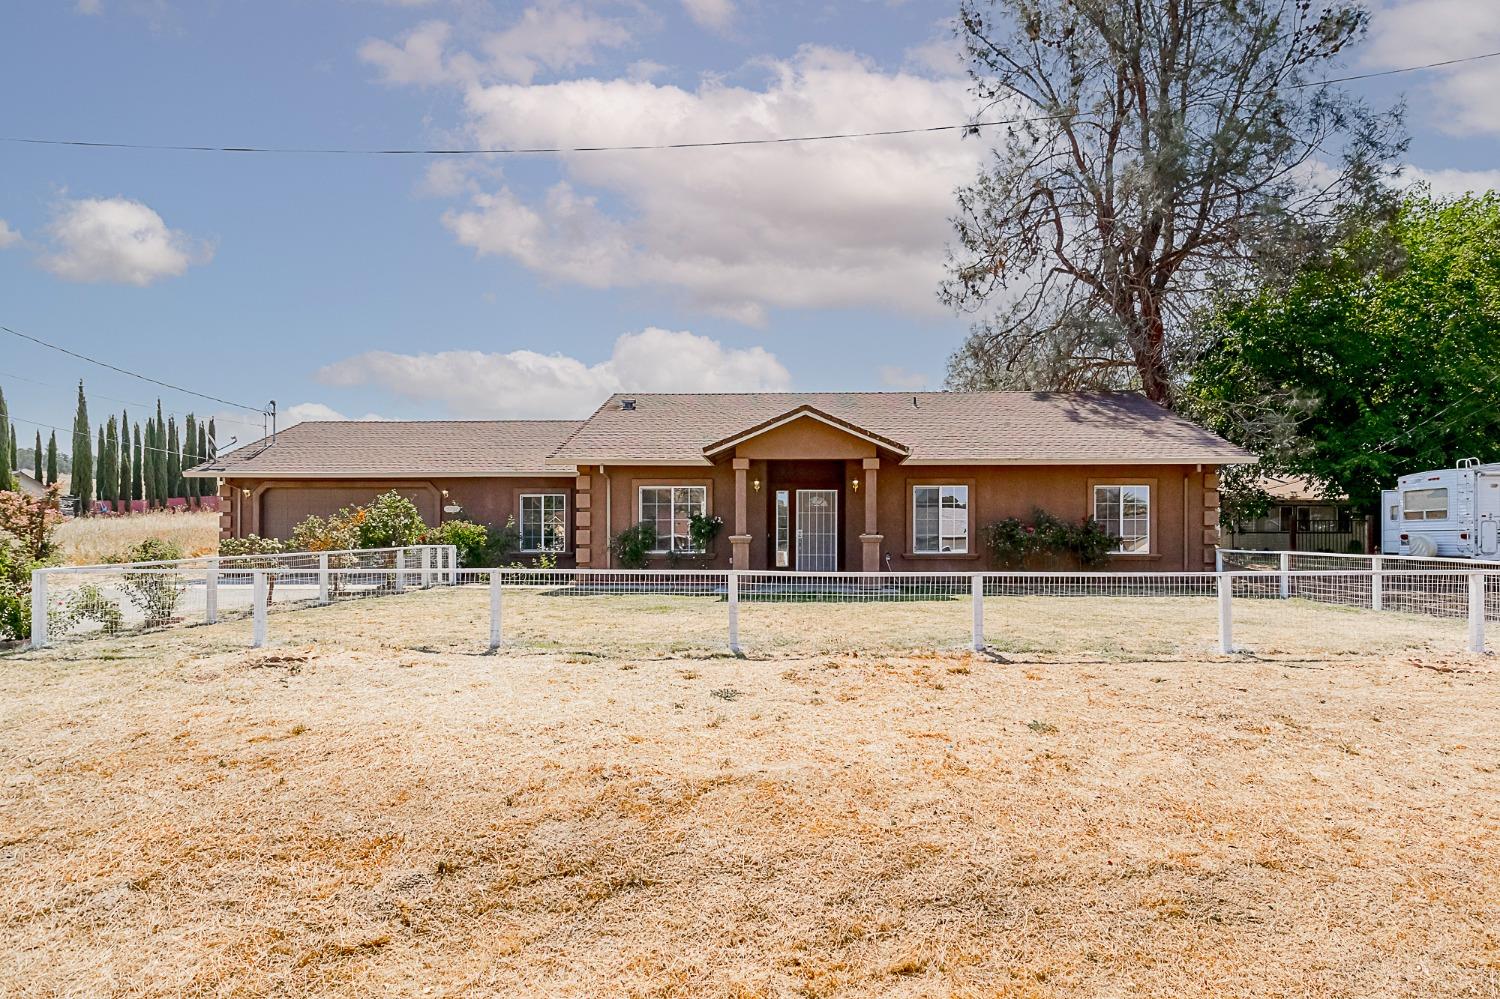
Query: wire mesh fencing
(77,602)
(651,613)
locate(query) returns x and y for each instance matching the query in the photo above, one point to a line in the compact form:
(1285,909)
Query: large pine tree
(83,456)
(52,459)
(7,481)
(137,491)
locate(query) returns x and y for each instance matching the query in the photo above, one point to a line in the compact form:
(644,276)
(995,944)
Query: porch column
(739,541)
(870,541)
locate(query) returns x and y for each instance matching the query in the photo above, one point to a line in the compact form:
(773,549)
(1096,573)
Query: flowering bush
(472,540)
(389,521)
(1048,542)
(632,547)
(702,530)
(335,533)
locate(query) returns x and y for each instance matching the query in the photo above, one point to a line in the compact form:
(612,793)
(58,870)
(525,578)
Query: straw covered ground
(371,806)
(91,540)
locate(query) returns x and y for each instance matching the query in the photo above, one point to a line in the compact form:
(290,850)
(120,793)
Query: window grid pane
(926,503)
(669,509)
(544,522)
(1125,511)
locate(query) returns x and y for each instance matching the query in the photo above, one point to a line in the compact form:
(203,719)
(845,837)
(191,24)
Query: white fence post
(1218,559)
(400,571)
(1476,612)
(428,558)
(258,629)
(1226,617)
(211,593)
(1377,585)
(323,578)
(38,608)
(976,594)
(495,634)
(1286,579)
(734,612)
(453,565)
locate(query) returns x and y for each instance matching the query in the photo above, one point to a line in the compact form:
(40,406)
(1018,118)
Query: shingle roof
(348,449)
(975,427)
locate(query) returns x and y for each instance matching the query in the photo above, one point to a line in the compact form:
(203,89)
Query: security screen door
(817,530)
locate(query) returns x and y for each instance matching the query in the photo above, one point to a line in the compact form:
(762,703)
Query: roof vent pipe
(627,405)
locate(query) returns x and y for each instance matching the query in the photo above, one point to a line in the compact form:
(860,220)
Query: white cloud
(522,383)
(1410,32)
(904,379)
(714,15)
(1450,183)
(8,236)
(554,35)
(119,241)
(857,222)
(304,411)
(89,6)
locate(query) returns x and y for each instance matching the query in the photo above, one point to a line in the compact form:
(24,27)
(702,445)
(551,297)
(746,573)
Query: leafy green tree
(52,459)
(137,470)
(83,455)
(1352,377)
(1167,150)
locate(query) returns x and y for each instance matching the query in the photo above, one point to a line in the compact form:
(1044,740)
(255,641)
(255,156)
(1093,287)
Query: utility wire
(635,147)
(127,402)
(69,431)
(132,374)
(1386,445)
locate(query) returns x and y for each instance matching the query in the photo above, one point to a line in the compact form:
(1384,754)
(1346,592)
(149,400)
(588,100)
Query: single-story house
(1302,518)
(816,481)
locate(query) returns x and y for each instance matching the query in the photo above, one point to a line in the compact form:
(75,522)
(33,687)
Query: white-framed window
(940,520)
(670,510)
(783,529)
(1425,504)
(544,522)
(1125,511)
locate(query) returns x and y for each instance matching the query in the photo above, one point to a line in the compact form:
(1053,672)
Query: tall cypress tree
(190,455)
(136,470)
(15,453)
(7,481)
(152,458)
(174,460)
(52,459)
(110,466)
(163,484)
(36,457)
(101,460)
(122,461)
(83,455)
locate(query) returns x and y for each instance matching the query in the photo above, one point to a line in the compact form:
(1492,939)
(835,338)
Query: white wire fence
(650,612)
(78,602)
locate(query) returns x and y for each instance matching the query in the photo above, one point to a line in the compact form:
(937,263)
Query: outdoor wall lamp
(445,494)
(755,484)
(855,484)
(245,492)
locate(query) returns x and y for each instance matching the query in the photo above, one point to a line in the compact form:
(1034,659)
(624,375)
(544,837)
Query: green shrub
(472,540)
(251,545)
(87,603)
(632,547)
(335,533)
(15,592)
(155,594)
(1047,542)
(390,521)
(703,530)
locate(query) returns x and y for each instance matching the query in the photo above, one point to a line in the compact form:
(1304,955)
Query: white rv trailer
(1448,512)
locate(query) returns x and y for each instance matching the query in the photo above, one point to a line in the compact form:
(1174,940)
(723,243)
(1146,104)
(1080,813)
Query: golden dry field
(1101,806)
(90,540)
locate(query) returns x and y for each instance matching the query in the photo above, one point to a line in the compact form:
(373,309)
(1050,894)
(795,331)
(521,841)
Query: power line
(69,431)
(132,374)
(1386,445)
(128,402)
(645,146)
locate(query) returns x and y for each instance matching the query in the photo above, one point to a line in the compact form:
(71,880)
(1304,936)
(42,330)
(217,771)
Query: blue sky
(408,287)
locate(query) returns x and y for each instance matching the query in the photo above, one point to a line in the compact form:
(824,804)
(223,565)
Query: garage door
(284,507)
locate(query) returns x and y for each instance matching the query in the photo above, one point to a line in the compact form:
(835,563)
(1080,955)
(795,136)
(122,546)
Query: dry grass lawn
(91,540)
(389,812)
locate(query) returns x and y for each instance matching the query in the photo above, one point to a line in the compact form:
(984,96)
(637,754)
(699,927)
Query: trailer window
(1425,504)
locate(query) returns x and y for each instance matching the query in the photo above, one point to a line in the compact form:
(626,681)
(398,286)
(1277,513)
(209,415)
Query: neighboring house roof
(1052,428)
(29,485)
(1295,488)
(393,449)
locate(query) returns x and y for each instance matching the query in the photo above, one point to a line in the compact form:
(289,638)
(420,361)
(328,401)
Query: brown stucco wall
(1184,504)
(275,505)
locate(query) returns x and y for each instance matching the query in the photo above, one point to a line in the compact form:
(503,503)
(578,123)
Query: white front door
(817,530)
